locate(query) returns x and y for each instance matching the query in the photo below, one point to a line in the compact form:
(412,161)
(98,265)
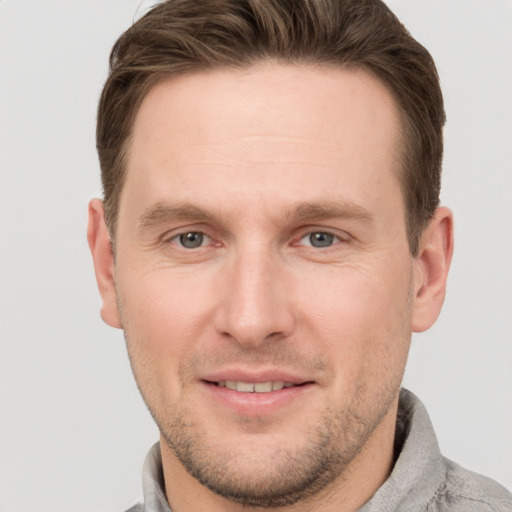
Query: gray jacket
(422,479)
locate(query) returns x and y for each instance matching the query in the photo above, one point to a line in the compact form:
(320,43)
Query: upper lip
(270,375)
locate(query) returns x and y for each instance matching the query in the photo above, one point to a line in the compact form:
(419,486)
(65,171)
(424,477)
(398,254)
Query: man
(269,239)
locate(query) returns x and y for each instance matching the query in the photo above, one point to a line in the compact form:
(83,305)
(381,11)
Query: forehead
(265,130)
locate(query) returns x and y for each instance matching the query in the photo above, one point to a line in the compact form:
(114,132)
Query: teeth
(251,387)
(263,387)
(245,387)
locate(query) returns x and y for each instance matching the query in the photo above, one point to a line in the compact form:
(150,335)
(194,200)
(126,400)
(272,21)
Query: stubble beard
(289,476)
(281,476)
(286,475)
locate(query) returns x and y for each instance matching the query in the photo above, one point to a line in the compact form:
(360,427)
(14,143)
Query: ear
(431,269)
(101,250)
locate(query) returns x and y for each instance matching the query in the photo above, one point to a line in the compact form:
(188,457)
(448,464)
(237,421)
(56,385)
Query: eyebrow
(329,210)
(163,212)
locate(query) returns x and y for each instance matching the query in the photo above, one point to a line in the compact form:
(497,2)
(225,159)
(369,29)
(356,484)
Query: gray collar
(419,470)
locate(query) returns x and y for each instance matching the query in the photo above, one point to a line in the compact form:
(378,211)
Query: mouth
(256,395)
(255,387)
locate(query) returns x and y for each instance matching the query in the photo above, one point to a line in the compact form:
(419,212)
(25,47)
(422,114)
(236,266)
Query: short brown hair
(178,36)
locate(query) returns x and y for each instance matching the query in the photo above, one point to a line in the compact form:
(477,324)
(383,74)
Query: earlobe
(431,269)
(101,250)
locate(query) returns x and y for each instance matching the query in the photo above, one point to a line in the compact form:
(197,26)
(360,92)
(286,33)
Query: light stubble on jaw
(289,476)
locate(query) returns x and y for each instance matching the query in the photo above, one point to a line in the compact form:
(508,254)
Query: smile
(255,396)
(254,387)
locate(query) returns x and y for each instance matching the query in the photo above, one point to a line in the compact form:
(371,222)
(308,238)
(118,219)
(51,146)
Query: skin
(254,161)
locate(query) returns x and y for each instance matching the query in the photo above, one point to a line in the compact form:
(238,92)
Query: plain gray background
(74,430)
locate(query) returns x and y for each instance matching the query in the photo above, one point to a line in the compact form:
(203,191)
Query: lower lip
(256,404)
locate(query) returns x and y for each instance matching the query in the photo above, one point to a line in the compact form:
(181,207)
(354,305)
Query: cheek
(159,317)
(155,330)
(354,295)
(362,316)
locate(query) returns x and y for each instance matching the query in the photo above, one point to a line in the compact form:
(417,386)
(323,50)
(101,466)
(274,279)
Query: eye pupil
(191,240)
(321,239)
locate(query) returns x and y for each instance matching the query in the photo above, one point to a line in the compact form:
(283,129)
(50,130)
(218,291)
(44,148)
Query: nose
(255,305)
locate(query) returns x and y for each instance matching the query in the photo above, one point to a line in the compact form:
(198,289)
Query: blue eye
(192,239)
(319,239)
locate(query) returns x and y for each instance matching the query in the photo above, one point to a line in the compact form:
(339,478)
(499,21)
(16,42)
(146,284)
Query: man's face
(261,245)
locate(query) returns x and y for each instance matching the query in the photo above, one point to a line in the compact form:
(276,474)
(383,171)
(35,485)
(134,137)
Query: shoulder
(465,491)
